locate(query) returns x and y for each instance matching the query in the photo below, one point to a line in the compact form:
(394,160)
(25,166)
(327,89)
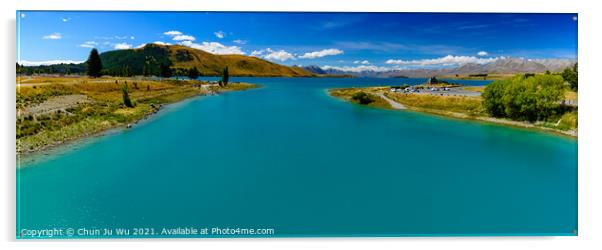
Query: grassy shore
(55,110)
(461,107)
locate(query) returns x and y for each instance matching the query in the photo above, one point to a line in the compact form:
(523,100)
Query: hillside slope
(150,57)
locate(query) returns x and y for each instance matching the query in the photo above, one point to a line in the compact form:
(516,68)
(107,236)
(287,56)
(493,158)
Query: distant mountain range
(499,66)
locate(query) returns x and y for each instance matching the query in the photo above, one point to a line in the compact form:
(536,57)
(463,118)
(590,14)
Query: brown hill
(181,57)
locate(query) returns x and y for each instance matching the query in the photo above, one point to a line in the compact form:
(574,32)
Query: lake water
(289,157)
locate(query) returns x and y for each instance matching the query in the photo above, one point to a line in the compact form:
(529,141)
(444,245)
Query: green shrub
(492,98)
(525,98)
(568,121)
(570,75)
(363,98)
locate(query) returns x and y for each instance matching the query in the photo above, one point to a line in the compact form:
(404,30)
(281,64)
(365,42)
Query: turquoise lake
(288,156)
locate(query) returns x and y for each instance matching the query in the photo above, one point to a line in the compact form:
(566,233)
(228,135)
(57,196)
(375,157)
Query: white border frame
(590,163)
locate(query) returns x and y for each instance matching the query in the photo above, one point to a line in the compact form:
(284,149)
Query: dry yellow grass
(570,95)
(479,89)
(100,89)
(28,80)
(459,104)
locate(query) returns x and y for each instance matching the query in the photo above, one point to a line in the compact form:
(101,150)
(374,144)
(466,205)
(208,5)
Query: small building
(434,80)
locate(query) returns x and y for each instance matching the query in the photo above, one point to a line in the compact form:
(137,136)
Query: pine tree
(225,76)
(165,71)
(193,73)
(94,64)
(126,71)
(126,97)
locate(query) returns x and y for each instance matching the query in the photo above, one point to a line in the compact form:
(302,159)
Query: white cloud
(65,19)
(22,15)
(282,55)
(122,46)
(132,37)
(270,54)
(183,38)
(155,42)
(238,41)
(257,53)
(161,43)
(321,53)
(172,33)
(219,34)
(448,60)
(179,36)
(53,36)
(279,55)
(361,62)
(359,68)
(88,44)
(214,48)
(38,63)
(482,53)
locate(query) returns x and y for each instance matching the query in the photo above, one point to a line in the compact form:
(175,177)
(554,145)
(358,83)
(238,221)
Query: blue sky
(378,40)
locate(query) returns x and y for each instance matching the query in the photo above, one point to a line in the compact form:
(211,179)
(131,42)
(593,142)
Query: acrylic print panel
(267,124)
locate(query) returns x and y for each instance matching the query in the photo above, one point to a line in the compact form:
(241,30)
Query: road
(393,104)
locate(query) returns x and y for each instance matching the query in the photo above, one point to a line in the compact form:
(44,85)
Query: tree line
(62,69)
(95,69)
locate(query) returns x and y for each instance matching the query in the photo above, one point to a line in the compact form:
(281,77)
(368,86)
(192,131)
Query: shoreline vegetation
(460,102)
(53,111)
